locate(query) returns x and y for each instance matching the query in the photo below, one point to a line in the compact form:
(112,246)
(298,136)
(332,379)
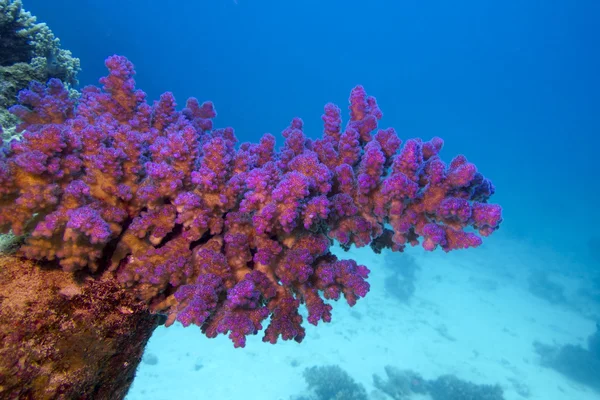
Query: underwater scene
(299,200)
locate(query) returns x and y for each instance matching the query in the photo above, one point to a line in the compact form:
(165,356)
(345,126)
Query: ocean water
(513,85)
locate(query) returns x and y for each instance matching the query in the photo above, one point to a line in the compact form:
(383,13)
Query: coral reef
(449,387)
(575,362)
(404,384)
(219,236)
(594,342)
(400,384)
(331,382)
(29,51)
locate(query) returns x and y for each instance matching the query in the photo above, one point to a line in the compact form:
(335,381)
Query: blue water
(514,85)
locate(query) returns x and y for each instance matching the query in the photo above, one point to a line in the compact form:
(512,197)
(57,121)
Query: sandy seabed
(472,315)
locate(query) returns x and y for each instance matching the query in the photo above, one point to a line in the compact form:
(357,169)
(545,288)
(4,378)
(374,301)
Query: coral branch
(220,235)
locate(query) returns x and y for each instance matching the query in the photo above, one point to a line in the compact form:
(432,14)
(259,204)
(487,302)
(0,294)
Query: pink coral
(219,235)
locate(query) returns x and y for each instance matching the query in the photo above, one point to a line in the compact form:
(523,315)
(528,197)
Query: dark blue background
(512,84)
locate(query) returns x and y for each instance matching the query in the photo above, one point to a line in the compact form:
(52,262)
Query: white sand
(472,315)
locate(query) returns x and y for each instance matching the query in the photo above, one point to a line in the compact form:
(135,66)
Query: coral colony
(219,235)
(28,51)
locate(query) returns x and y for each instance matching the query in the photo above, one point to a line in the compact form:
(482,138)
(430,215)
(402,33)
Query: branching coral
(220,235)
